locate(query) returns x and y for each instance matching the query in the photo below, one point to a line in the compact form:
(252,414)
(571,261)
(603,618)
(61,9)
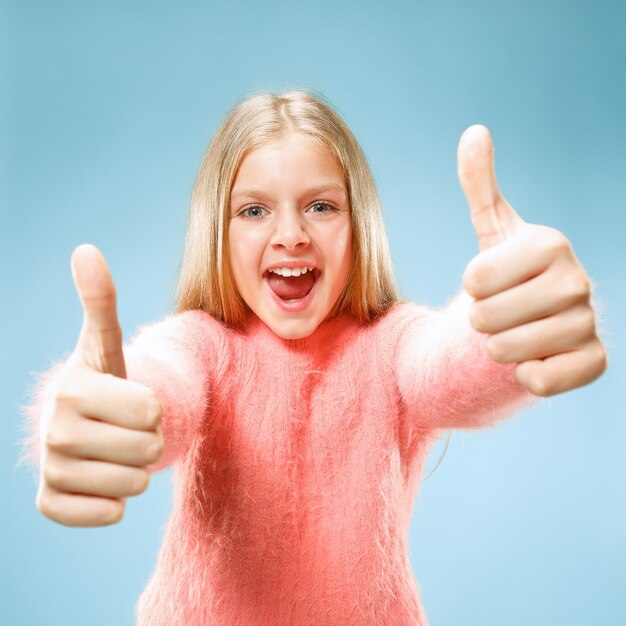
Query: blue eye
(324,206)
(254,211)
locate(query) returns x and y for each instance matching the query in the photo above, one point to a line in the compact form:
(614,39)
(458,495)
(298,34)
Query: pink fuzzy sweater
(296,462)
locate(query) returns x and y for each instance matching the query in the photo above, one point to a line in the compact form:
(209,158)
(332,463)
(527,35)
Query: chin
(293,333)
(293,329)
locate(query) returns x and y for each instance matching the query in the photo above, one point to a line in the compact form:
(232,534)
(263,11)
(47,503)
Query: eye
(321,207)
(252,212)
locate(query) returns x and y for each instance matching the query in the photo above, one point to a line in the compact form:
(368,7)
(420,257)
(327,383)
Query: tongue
(291,287)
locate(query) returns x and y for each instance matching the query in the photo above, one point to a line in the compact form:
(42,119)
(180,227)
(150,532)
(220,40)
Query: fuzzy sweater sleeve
(177,358)
(445,375)
(173,357)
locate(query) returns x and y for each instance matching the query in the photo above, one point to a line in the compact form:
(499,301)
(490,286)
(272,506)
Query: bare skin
(100,431)
(532,295)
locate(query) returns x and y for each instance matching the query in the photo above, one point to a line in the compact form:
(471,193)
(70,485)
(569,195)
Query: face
(290,210)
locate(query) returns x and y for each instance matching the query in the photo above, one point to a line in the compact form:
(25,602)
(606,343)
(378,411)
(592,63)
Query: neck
(327,333)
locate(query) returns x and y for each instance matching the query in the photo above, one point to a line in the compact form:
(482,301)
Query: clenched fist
(532,295)
(100,431)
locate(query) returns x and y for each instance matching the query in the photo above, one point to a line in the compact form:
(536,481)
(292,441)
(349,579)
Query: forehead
(292,161)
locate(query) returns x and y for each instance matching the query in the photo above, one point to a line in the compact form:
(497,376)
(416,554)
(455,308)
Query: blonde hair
(206,281)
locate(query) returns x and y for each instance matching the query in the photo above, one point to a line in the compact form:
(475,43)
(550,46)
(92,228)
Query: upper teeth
(290,271)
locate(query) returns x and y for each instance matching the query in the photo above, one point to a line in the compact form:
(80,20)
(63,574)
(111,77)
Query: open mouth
(292,288)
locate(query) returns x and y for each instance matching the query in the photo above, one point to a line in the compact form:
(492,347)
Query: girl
(294,394)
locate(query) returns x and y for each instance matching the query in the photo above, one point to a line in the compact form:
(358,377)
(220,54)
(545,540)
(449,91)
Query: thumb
(493,218)
(100,341)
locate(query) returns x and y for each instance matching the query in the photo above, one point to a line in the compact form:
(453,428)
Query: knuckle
(155,448)
(113,514)
(54,475)
(68,392)
(475,279)
(105,513)
(540,386)
(48,505)
(58,437)
(579,287)
(586,321)
(534,379)
(139,482)
(149,450)
(601,359)
(153,412)
(478,317)
(497,349)
(555,242)
(43,504)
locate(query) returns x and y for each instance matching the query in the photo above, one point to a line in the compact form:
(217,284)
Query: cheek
(236,255)
(245,256)
(339,254)
(238,242)
(345,250)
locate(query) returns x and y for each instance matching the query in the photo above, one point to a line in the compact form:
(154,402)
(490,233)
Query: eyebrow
(256,193)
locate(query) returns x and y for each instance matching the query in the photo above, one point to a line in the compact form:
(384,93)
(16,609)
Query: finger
(563,372)
(100,340)
(541,296)
(540,339)
(110,399)
(79,510)
(96,478)
(493,218)
(89,439)
(504,266)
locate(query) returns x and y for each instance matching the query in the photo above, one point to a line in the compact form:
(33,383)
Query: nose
(290,231)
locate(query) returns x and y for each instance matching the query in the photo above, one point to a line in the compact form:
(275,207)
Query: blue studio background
(106,111)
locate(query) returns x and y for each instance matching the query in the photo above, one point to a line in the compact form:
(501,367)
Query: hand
(100,430)
(532,295)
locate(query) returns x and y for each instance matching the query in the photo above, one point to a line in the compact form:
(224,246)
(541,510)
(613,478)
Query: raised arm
(176,358)
(103,418)
(445,375)
(524,324)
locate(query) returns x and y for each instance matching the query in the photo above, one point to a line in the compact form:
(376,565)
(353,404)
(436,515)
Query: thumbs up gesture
(531,294)
(100,431)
